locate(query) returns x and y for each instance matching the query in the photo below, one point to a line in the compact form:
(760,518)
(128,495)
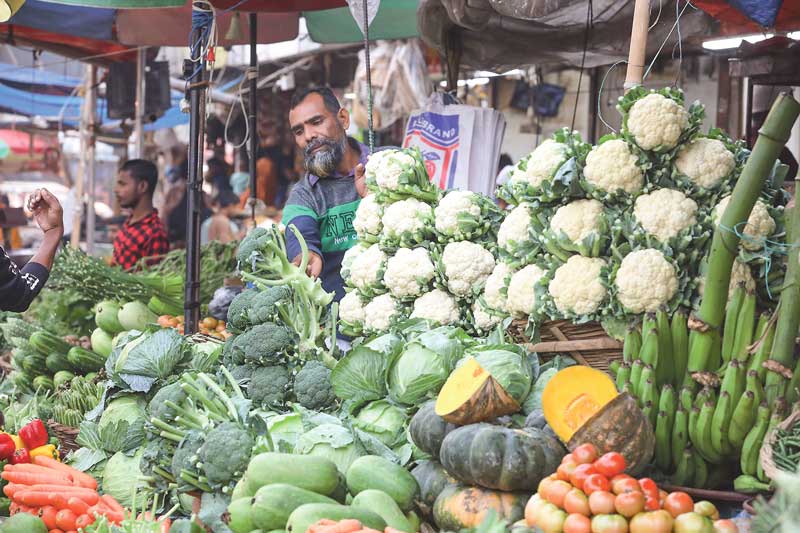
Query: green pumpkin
(428,430)
(500,458)
(459,507)
(432,480)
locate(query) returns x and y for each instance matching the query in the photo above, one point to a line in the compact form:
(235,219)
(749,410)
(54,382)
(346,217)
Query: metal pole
(138,131)
(252,112)
(91,103)
(195,72)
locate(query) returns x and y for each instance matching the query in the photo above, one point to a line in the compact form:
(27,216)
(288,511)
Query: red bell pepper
(34,434)
(21,456)
(7,447)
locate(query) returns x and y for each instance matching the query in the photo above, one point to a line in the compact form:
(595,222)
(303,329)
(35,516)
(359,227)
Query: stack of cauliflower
(421,253)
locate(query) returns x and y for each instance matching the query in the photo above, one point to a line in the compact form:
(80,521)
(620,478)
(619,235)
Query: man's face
(320,133)
(128,189)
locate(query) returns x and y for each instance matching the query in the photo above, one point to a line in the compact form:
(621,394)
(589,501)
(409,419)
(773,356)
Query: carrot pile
(64,498)
(344,526)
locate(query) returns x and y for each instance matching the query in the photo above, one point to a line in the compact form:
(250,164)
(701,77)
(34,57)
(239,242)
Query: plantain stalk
(771,139)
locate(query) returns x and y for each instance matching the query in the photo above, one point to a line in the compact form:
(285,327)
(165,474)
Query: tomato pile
(591,494)
(209,326)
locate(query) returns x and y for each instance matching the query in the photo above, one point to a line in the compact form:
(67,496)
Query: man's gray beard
(323,162)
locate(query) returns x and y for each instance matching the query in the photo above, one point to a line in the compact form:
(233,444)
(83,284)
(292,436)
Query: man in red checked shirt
(143,234)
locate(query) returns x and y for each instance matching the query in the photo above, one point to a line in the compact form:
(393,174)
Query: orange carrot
(55,530)
(33,498)
(48,516)
(37,469)
(166,524)
(81,478)
(10,489)
(78,506)
(13,508)
(112,503)
(29,478)
(84,520)
(65,489)
(65,519)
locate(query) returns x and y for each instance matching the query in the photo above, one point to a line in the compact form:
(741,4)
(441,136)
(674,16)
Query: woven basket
(66,436)
(587,343)
(765,454)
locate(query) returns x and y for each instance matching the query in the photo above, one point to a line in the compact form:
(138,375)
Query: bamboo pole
(638,46)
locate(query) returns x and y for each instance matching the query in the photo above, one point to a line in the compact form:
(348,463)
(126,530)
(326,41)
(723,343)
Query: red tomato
(596,482)
(725,526)
(629,504)
(601,503)
(576,502)
(532,509)
(577,523)
(585,453)
(550,518)
(652,522)
(565,470)
(556,491)
(580,474)
(706,508)
(568,458)
(609,523)
(543,484)
(610,464)
(692,523)
(677,503)
(621,486)
(651,496)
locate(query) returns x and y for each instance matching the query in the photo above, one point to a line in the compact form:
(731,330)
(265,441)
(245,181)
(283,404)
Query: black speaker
(121,90)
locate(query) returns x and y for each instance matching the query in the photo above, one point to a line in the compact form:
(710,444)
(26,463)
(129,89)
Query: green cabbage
(284,430)
(121,478)
(383,420)
(332,441)
(121,425)
(509,365)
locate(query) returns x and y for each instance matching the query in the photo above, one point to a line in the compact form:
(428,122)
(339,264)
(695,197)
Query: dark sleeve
(19,288)
(299,211)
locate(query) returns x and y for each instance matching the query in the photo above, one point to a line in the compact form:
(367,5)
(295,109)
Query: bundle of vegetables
(592,493)
(64,498)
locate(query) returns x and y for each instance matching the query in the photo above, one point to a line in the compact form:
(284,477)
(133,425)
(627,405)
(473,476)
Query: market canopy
(738,18)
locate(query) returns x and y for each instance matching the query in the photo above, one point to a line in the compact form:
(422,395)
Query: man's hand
(314,268)
(46,211)
(361,180)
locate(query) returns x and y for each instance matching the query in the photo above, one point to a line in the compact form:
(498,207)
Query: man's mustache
(330,144)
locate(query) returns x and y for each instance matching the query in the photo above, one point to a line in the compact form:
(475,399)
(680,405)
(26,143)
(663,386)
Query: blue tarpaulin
(87,22)
(763,12)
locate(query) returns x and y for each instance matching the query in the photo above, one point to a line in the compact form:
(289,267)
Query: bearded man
(323,204)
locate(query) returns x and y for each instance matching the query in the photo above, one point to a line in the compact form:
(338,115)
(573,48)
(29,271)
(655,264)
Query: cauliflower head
(381,312)
(705,162)
(760,225)
(578,219)
(350,256)
(367,269)
(437,306)
(386,166)
(515,226)
(493,289)
(541,164)
(522,290)
(657,122)
(612,167)
(407,219)
(665,213)
(409,272)
(455,205)
(351,308)
(466,267)
(577,286)
(645,281)
(367,223)
(484,319)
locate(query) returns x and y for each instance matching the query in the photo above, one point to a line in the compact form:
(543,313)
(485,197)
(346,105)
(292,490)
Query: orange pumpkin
(459,507)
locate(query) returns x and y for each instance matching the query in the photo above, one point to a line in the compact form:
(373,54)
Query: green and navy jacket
(323,210)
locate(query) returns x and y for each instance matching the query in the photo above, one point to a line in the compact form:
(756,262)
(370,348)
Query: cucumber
(57,362)
(46,343)
(241,515)
(85,360)
(316,474)
(309,514)
(385,506)
(273,504)
(373,472)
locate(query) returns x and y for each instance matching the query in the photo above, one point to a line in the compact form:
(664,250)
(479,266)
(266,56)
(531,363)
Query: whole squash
(432,480)
(459,507)
(500,458)
(428,430)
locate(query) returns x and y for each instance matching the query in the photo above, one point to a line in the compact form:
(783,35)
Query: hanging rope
(370,131)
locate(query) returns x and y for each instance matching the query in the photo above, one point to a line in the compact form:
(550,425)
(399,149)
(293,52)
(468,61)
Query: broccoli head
(253,242)
(269,385)
(172,392)
(226,453)
(312,386)
(239,309)
(242,372)
(263,307)
(185,458)
(265,343)
(232,354)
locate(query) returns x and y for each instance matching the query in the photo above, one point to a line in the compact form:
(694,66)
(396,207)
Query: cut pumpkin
(472,395)
(573,396)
